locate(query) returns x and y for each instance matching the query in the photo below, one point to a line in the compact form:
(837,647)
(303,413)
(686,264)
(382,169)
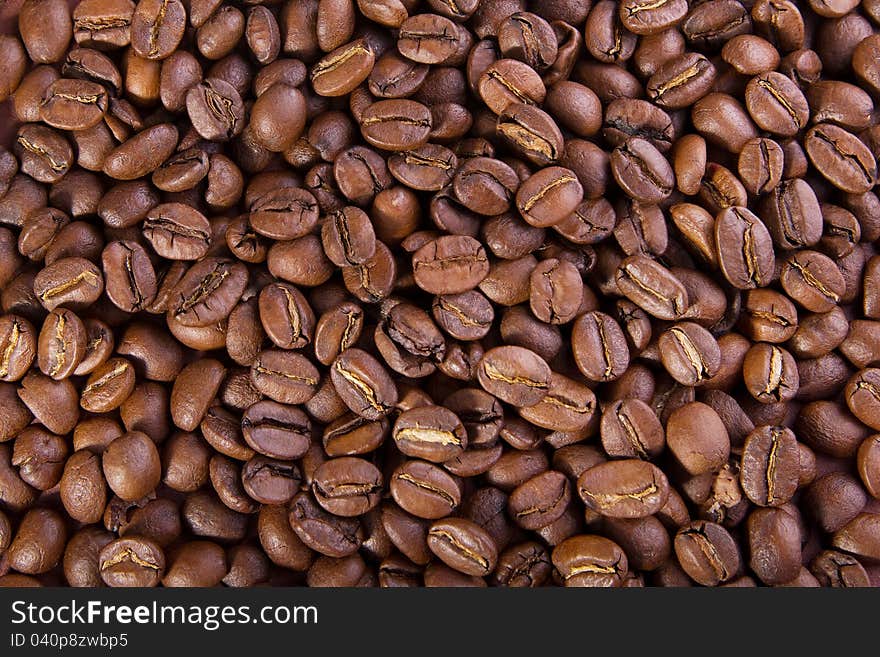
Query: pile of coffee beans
(440,292)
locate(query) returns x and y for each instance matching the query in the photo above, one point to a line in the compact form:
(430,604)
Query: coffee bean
(681,81)
(652,287)
(770,466)
(774,543)
(624,489)
(744,247)
(812,280)
(18,346)
(425,490)
(707,553)
(509,81)
(841,158)
(215,109)
(531,132)
(427,38)
(131,562)
(72,282)
(689,353)
(463,545)
(347,486)
(61,344)
(433,433)
(590,561)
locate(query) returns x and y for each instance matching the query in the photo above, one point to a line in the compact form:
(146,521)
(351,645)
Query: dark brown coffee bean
(624,489)
(599,347)
(760,165)
(515,375)
(71,282)
(642,171)
(215,109)
(681,81)
(697,437)
(433,433)
(141,154)
(347,486)
(46,156)
(428,38)
(649,18)
(130,279)
(652,287)
(774,543)
(590,561)
(131,562)
(812,280)
(744,247)
(363,384)
(770,466)
(838,570)
(770,373)
(71,104)
(131,466)
(286,316)
(707,553)
(396,125)
(18,347)
(509,81)
(841,158)
(630,429)
(425,490)
(463,545)
(530,132)
(157,26)
(540,500)
(61,344)
(689,353)
(207,292)
(348,237)
(777,104)
(343,69)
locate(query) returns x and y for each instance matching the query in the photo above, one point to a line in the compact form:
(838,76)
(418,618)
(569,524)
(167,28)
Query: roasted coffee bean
(774,544)
(689,353)
(347,486)
(744,248)
(433,433)
(599,347)
(707,553)
(515,375)
(509,81)
(841,158)
(530,132)
(215,109)
(590,561)
(652,287)
(207,292)
(129,277)
(72,282)
(61,345)
(142,153)
(770,373)
(396,125)
(697,437)
(72,104)
(813,280)
(425,490)
(364,385)
(770,466)
(776,104)
(463,545)
(130,562)
(45,154)
(157,26)
(628,488)
(18,346)
(681,81)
